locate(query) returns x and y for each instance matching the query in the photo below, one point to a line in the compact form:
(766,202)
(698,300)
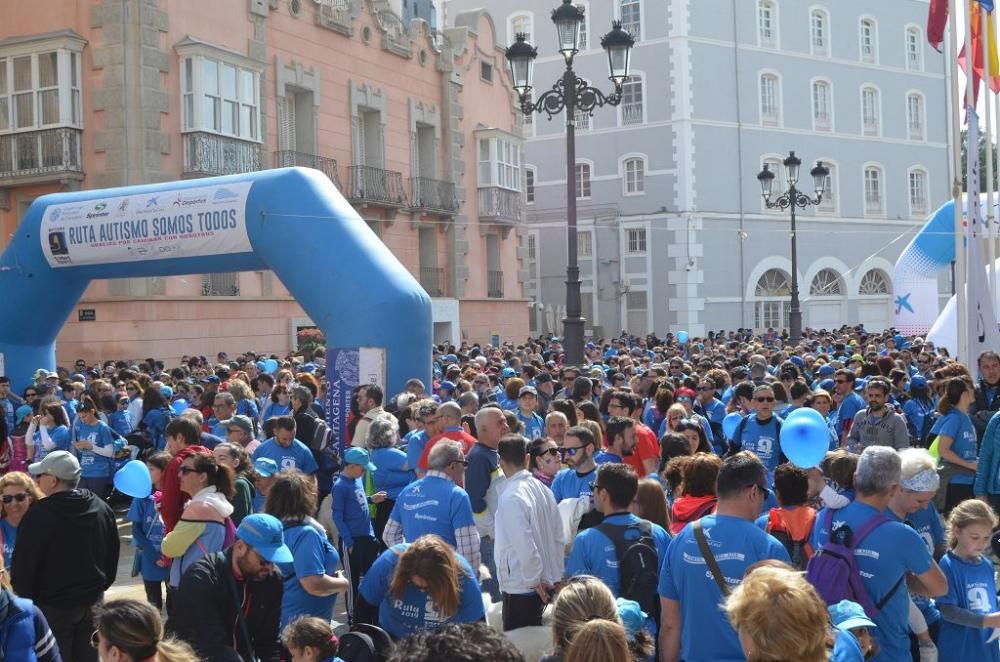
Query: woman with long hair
(204,526)
(421,585)
(919,410)
(671,422)
(280,403)
(697,498)
(957,445)
(694,432)
(156,414)
(312,580)
(236,458)
(131,631)
(598,640)
(95,445)
(650,503)
(49,431)
(245,403)
(18,492)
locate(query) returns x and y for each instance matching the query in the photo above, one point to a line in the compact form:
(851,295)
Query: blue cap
(359,456)
(265,534)
(211,379)
(632,615)
(22,413)
(826,369)
(899,340)
(447,386)
(918,381)
(797,360)
(826,384)
(265,467)
(507,373)
(166,392)
(847,615)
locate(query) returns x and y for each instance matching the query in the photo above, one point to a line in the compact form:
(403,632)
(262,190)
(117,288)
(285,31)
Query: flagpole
(986,19)
(962,341)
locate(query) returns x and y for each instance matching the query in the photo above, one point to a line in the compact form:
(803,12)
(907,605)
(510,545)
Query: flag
(937,18)
(981,328)
(986,4)
(976,30)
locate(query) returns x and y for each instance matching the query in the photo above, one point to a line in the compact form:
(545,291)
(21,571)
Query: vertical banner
(982,327)
(347,368)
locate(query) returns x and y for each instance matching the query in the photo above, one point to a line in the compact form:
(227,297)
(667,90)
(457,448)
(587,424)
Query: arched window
(767,23)
(827,283)
(822,98)
(871,111)
(874,283)
(634,176)
(874,199)
(819,30)
(915,116)
(770,99)
(522,23)
(869,40)
(772,307)
(582,181)
(917,186)
(914,49)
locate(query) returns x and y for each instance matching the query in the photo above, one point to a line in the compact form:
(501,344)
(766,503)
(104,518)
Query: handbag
(713,565)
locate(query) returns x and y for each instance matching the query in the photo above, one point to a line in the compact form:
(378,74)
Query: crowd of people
(640,506)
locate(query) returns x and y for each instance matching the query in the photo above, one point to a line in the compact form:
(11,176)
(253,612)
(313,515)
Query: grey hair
(425,407)
(383,432)
(444,453)
(451,411)
(879,468)
(226,397)
(302,394)
(468,398)
(194,415)
(404,400)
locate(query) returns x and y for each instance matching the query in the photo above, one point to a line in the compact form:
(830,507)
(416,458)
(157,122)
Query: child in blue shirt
(147,533)
(969,609)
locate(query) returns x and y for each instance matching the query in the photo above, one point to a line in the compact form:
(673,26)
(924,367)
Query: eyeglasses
(764,399)
(7,498)
(188,470)
(464,463)
(552,451)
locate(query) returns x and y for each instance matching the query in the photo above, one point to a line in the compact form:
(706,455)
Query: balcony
(631,114)
(494,284)
(432,196)
(335,15)
(288,159)
(432,279)
(37,156)
(376,187)
(225,284)
(209,154)
(499,205)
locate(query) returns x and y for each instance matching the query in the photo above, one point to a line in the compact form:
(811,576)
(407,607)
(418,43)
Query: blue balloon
(807,413)
(682,337)
(730,423)
(805,441)
(133,480)
(260,366)
(271,366)
(179,406)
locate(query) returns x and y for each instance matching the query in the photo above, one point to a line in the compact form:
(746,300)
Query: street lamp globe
(766,179)
(819,175)
(521,57)
(792,165)
(569,21)
(618,45)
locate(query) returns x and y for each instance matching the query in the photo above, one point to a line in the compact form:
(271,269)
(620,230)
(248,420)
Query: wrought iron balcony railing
(209,154)
(287,158)
(494,284)
(375,186)
(37,154)
(499,205)
(432,279)
(433,195)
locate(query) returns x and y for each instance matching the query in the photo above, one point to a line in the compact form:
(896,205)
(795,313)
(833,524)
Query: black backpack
(638,563)
(364,643)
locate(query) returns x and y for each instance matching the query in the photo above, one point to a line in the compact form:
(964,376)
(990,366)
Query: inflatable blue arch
(292,221)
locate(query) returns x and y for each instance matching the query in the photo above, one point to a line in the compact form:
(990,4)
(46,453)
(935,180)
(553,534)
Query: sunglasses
(7,498)
(572,450)
(554,452)
(764,399)
(187,470)
(31,395)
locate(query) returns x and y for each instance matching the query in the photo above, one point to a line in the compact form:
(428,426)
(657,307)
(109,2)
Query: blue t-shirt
(8,412)
(927,523)
(568,484)
(736,544)
(971,585)
(9,533)
(415,610)
(93,465)
(959,427)
(248,408)
(885,555)
(350,509)
(156,422)
(147,534)
(314,555)
(296,456)
(845,647)
(59,435)
(432,505)
(415,448)
(849,406)
(916,413)
(389,475)
(606,457)
(594,554)
(480,473)
(274,409)
(534,426)
(761,440)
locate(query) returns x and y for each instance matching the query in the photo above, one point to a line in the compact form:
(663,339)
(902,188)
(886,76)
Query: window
(529,186)
(874,283)
(827,283)
(635,176)
(822,106)
(767,23)
(774,288)
(581,119)
(486,71)
(500,163)
(631,105)
(532,247)
(636,312)
(829,201)
(869,41)
(819,31)
(582,181)
(769,99)
(635,241)
(918,192)
(631,17)
(870,111)
(914,49)
(40,90)
(873,190)
(582,44)
(221,97)
(585,243)
(520,24)
(915,116)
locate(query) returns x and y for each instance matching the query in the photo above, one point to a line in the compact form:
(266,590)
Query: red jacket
(172,501)
(689,508)
(457,434)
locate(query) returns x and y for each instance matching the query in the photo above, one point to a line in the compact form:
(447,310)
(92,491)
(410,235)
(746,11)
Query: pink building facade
(417,130)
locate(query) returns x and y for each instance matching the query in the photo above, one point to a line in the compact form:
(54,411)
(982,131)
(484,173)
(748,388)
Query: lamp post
(571,94)
(791,199)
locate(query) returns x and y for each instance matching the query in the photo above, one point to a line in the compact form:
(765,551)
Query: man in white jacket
(529,538)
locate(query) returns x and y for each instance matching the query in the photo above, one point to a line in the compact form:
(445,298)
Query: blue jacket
(989,460)
(21,633)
